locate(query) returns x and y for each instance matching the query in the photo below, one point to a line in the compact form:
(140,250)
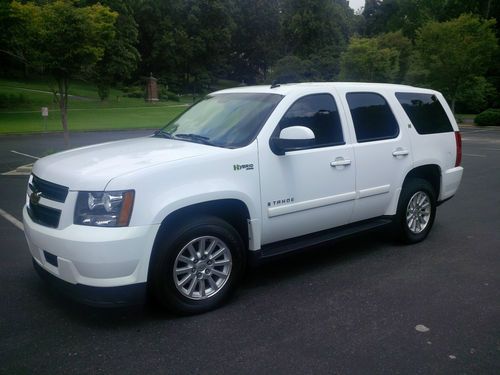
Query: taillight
(458,141)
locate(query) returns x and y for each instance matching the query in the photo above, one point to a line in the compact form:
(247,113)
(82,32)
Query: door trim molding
(310,204)
(363,193)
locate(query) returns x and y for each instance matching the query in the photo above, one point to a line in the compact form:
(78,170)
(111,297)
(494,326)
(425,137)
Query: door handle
(400,152)
(340,162)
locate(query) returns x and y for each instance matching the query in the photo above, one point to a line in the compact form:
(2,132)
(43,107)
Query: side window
(425,112)
(319,113)
(372,117)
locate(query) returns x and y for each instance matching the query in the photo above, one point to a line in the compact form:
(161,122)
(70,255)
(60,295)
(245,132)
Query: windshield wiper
(162,134)
(195,138)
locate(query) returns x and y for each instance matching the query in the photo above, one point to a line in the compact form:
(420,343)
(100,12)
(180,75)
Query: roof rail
(275,84)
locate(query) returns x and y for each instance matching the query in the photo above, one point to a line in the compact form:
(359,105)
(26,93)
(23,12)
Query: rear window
(425,112)
(372,117)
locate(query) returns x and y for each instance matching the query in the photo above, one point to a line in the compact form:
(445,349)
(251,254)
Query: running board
(318,238)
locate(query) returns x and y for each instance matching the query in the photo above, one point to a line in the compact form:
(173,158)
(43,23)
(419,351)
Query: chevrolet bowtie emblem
(35,197)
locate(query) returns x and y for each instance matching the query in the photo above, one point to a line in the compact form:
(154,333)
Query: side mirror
(292,138)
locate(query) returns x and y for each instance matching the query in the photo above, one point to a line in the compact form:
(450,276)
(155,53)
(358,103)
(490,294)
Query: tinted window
(372,117)
(425,112)
(319,113)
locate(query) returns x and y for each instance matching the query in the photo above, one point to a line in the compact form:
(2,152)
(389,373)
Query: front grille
(44,215)
(49,190)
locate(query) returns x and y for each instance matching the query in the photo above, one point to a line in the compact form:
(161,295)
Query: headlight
(104,209)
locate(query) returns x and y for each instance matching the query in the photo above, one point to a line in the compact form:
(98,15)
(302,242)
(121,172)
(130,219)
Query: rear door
(381,148)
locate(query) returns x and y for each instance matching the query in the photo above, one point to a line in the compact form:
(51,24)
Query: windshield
(225,120)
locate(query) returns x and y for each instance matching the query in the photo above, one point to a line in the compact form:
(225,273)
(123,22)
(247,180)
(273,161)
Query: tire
(416,211)
(197,266)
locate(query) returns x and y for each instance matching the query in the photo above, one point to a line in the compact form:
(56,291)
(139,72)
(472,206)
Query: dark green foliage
(383,58)
(63,41)
(255,42)
(409,15)
(185,43)
(309,27)
(314,34)
(12,100)
(490,117)
(102,90)
(168,95)
(120,57)
(293,69)
(134,92)
(191,44)
(454,56)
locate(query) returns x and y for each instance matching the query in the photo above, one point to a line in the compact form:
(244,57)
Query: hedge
(490,117)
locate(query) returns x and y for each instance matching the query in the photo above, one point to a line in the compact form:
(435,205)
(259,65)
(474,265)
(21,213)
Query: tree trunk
(63,106)
(488,8)
(453,105)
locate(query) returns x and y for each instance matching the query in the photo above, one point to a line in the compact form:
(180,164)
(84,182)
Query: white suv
(246,172)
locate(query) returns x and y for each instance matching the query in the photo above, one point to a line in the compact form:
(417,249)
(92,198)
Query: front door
(313,188)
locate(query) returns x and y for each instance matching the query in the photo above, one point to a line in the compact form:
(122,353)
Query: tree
(120,57)
(255,42)
(9,53)
(373,59)
(313,34)
(310,26)
(409,15)
(64,41)
(293,69)
(186,43)
(452,56)
(398,42)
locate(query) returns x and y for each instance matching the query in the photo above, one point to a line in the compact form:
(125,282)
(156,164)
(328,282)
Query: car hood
(92,167)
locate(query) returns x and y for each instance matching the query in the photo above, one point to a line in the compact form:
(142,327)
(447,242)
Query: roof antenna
(275,84)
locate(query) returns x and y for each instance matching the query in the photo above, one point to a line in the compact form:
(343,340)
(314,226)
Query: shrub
(12,100)
(169,95)
(490,117)
(135,93)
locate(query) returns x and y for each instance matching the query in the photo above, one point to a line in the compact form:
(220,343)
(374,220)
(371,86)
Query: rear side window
(319,113)
(372,117)
(425,112)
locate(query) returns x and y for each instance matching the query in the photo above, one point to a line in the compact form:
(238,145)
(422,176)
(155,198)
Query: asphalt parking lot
(352,307)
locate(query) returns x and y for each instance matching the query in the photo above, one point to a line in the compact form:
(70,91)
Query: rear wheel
(416,211)
(197,267)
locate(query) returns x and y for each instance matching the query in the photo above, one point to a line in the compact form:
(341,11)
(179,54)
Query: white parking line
(476,155)
(22,153)
(12,219)
(476,131)
(23,170)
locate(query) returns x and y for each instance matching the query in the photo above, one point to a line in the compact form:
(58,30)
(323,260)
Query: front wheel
(197,266)
(416,211)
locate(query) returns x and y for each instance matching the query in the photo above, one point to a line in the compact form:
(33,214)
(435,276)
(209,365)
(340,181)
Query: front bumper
(127,295)
(92,256)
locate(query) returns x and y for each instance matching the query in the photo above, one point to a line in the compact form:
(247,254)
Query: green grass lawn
(86,110)
(90,119)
